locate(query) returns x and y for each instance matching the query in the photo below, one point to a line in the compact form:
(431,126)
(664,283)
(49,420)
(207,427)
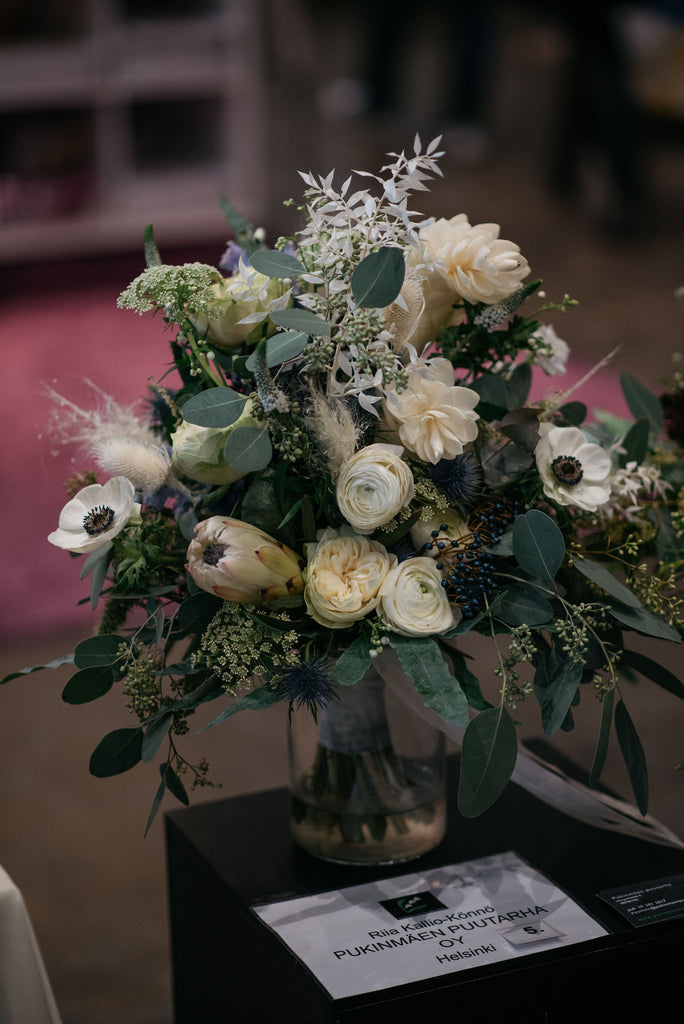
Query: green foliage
(633,755)
(216,407)
(248,449)
(489,753)
(538,544)
(274,263)
(378,278)
(119,751)
(642,402)
(422,661)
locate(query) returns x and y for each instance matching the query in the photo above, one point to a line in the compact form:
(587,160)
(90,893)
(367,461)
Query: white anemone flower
(95,516)
(573,470)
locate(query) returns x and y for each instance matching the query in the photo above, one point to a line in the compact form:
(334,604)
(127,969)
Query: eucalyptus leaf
(187,521)
(175,784)
(603,737)
(88,684)
(96,651)
(653,671)
(635,443)
(68,659)
(281,348)
(573,414)
(641,401)
(274,263)
(644,621)
(196,612)
(97,580)
(256,700)
(522,605)
(468,682)
(156,804)
(215,407)
(538,544)
(603,578)
(422,661)
(353,663)
(117,752)
(521,426)
(378,278)
(488,756)
(555,685)
(248,449)
(155,734)
(301,320)
(633,755)
(94,559)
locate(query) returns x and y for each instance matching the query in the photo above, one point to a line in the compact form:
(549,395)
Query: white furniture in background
(25,993)
(168,111)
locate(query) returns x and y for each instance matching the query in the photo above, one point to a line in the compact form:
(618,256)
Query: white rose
(373,486)
(343,578)
(433,420)
(413,601)
(478,265)
(244,294)
(573,470)
(197,452)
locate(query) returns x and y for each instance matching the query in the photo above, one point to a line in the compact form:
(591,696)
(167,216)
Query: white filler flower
(95,515)
(573,470)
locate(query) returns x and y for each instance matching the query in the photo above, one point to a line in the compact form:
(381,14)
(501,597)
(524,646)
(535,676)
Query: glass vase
(367,778)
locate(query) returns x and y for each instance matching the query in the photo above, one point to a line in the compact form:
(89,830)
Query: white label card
(399,930)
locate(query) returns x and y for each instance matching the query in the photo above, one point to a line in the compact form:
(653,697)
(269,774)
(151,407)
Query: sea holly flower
(241,563)
(95,516)
(573,470)
(413,601)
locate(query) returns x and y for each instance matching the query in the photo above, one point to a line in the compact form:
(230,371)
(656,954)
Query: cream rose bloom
(197,452)
(373,486)
(343,578)
(432,419)
(478,265)
(413,601)
(573,470)
(241,296)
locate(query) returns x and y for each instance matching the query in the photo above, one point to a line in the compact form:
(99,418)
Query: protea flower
(241,563)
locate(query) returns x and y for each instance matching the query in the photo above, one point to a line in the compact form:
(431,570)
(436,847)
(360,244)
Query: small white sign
(399,930)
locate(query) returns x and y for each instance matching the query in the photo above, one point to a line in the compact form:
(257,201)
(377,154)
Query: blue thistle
(460,479)
(307,685)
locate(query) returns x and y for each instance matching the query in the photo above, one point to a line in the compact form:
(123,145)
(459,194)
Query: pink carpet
(60,337)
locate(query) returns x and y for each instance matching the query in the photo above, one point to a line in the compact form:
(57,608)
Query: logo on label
(413,904)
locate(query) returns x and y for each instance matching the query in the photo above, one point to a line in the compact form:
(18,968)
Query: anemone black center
(213,553)
(98,520)
(567,470)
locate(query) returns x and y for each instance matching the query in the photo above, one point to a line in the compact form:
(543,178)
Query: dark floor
(94,887)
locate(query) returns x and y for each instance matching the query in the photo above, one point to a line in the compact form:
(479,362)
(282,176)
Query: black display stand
(227,856)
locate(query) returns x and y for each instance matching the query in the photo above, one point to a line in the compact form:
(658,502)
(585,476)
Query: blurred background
(119,113)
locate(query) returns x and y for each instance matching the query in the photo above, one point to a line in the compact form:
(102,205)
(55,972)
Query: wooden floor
(74,845)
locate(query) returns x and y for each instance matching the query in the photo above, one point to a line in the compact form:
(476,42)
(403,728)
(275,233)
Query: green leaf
(242,228)
(248,449)
(633,755)
(603,737)
(522,427)
(555,685)
(196,612)
(274,263)
(642,402)
(468,682)
(573,414)
(96,651)
(538,544)
(353,663)
(422,661)
(635,443)
(57,663)
(257,700)
(644,621)
(301,320)
(156,732)
(88,684)
(378,278)
(488,756)
(523,605)
(152,257)
(174,784)
(603,578)
(215,407)
(94,558)
(156,803)
(653,671)
(280,348)
(116,753)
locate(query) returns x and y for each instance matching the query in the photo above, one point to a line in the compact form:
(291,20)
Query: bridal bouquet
(342,464)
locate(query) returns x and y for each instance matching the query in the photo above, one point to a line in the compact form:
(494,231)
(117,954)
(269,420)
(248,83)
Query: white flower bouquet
(343,464)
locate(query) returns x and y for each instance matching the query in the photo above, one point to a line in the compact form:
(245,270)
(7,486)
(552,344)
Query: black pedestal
(227,856)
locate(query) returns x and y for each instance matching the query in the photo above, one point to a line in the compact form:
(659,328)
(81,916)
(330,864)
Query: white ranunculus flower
(343,578)
(373,486)
(479,266)
(413,601)
(573,470)
(95,516)
(549,351)
(433,420)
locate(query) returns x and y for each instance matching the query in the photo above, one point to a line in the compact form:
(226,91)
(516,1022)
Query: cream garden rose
(413,601)
(343,578)
(433,419)
(373,486)
(477,264)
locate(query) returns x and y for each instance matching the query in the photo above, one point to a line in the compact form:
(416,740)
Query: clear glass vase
(367,779)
